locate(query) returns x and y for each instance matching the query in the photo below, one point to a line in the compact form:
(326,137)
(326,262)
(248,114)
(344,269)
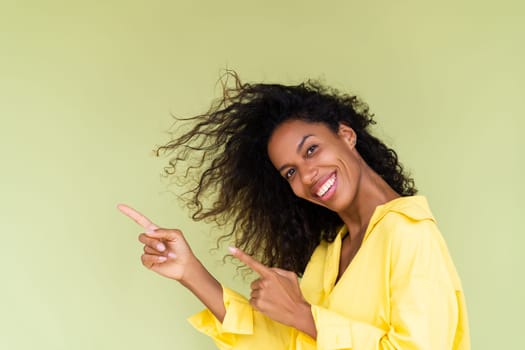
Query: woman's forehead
(295,130)
(292,135)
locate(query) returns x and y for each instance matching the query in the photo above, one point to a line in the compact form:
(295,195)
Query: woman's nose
(309,174)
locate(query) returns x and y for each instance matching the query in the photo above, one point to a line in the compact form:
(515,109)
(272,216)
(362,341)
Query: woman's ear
(347,134)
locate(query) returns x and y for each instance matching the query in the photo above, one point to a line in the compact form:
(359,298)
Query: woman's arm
(167,253)
(229,319)
(276,293)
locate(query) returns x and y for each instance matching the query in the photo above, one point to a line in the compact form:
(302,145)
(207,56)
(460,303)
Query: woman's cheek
(296,188)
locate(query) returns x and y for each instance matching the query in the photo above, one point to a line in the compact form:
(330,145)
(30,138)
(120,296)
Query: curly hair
(236,184)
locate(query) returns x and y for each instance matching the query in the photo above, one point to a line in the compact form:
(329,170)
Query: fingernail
(162,259)
(161,247)
(171,255)
(233,250)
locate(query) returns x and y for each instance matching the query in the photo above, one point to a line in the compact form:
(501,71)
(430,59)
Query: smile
(326,186)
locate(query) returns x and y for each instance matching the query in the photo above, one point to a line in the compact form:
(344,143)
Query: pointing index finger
(137,217)
(249,261)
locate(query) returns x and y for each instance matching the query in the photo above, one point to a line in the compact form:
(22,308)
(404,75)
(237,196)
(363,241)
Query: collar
(413,207)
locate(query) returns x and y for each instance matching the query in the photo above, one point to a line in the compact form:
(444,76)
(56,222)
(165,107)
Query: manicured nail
(161,247)
(172,255)
(233,250)
(162,259)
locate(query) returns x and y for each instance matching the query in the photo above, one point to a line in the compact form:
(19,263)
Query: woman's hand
(165,250)
(167,253)
(276,294)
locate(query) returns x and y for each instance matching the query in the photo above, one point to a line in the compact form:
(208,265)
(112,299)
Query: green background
(86,92)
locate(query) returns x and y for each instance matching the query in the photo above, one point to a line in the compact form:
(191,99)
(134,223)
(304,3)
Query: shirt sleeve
(244,328)
(423,300)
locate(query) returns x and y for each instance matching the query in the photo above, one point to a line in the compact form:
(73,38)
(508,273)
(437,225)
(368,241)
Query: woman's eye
(289,173)
(310,150)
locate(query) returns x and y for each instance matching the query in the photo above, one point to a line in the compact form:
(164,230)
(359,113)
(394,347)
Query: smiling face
(321,166)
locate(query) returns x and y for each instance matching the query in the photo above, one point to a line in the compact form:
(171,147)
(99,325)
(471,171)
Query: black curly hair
(239,188)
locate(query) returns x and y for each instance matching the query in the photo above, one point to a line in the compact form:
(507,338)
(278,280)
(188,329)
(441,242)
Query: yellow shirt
(401,291)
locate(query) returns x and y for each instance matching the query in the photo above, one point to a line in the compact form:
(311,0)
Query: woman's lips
(326,187)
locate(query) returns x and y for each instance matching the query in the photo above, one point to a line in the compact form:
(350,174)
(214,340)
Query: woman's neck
(372,192)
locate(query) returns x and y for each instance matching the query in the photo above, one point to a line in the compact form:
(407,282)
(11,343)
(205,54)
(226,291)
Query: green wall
(86,91)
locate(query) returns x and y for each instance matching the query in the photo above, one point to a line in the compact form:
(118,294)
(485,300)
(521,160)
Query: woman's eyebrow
(302,142)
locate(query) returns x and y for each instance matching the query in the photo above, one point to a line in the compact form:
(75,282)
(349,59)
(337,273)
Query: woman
(308,191)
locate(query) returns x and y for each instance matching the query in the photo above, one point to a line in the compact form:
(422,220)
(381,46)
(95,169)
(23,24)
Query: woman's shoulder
(404,218)
(414,208)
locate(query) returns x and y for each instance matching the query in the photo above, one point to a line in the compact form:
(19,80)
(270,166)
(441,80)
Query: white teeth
(329,183)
